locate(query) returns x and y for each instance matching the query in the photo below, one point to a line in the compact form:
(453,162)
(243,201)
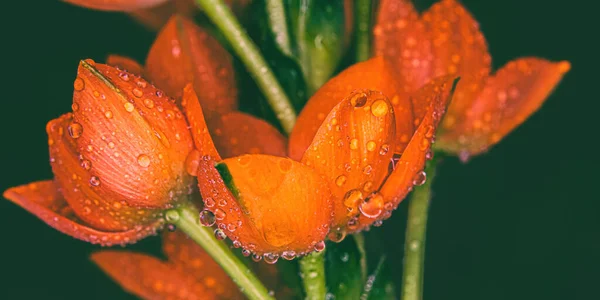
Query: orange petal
(408,171)
(515,92)
(135,139)
(401,36)
(43,200)
(189,258)
(148,277)
(195,116)
(237,133)
(156,17)
(81,188)
(282,205)
(125,63)
(116,5)
(353,149)
(460,49)
(373,74)
(184,53)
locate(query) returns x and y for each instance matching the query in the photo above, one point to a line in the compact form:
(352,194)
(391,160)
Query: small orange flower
(446,40)
(118,160)
(371,149)
(188,273)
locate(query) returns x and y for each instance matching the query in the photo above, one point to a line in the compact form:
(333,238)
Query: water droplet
(207,218)
(271,258)
(108,114)
(337,235)
(220,235)
(368,186)
(75,107)
(320,246)
(354,144)
(75,130)
(367,169)
(371,145)
(372,206)
(379,108)
(256,257)
(128,106)
(351,200)
(420,178)
(171,227)
(94,181)
(285,165)
(231,227)
(192,162)
(340,180)
(137,92)
(79,84)
(246,252)
(143,160)
(358,100)
(209,202)
(124,76)
(86,164)
(220,214)
(424,145)
(352,223)
(384,149)
(236,244)
(288,255)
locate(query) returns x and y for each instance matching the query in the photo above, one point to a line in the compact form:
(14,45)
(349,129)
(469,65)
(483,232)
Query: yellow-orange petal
(116,5)
(515,92)
(134,137)
(401,36)
(459,48)
(148,277)
(237,133)
(156,17)
(374,74)
(184,53)
(189,258)
(198,127)
(280,204)
(81,187)
(125,63)
(44,200)
(353,149)
(408,171)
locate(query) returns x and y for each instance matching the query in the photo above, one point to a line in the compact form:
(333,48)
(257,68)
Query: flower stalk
(186,219)
(414,246)
(312,268)
(363,29)
(250,55)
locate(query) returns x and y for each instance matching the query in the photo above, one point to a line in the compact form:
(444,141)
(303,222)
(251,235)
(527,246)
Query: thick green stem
(248,52)
(312,268)
(414,247)
(362,11)
(186,219)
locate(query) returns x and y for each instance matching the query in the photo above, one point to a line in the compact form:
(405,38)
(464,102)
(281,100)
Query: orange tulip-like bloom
(118,160)
(446,40)
(188,273)
(353,143)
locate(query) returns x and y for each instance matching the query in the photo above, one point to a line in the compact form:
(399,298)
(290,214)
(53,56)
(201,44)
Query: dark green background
(520,222)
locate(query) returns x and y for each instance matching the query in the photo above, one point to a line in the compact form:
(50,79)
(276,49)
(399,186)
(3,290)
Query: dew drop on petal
(209,202)
(320,246)
(220,214)
(372,206)
(420,178)
(128,106)
(271,258)
(288,255)
(340,180)
(337,235)
(379,108)
(207,218)
(143,160)
(94,181)
(220,235)
(79,84)
(75,130)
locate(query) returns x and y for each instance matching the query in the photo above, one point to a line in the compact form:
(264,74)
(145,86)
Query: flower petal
(134,137)
(281,205)
(408,171)
(353,149)
(116,5)
(148,277)
(189,258)
(125,63)
(195,116)
(44,200)
(374,74)
(156,17)
(184,53)
(460,49)
(515,92)
(401,36)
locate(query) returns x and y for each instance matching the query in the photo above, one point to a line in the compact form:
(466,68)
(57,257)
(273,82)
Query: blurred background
(520,222)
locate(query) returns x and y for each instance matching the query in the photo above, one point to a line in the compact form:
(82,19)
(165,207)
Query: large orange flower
(446,40)
(118,160)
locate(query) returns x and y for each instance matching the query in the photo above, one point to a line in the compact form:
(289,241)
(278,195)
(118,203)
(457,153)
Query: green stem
(220,14)
(414,247)
(363,29)
(186,219)
(312,268)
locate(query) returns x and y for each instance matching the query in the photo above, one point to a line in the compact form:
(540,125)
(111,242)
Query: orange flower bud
(188,273)
(118,159)
(446,40)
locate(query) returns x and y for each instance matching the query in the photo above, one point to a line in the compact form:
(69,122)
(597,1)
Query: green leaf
(379,285)
(343,269)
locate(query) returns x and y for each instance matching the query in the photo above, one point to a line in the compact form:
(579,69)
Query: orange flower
(118,160)
(188,273)
(446,40)
(371,149)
